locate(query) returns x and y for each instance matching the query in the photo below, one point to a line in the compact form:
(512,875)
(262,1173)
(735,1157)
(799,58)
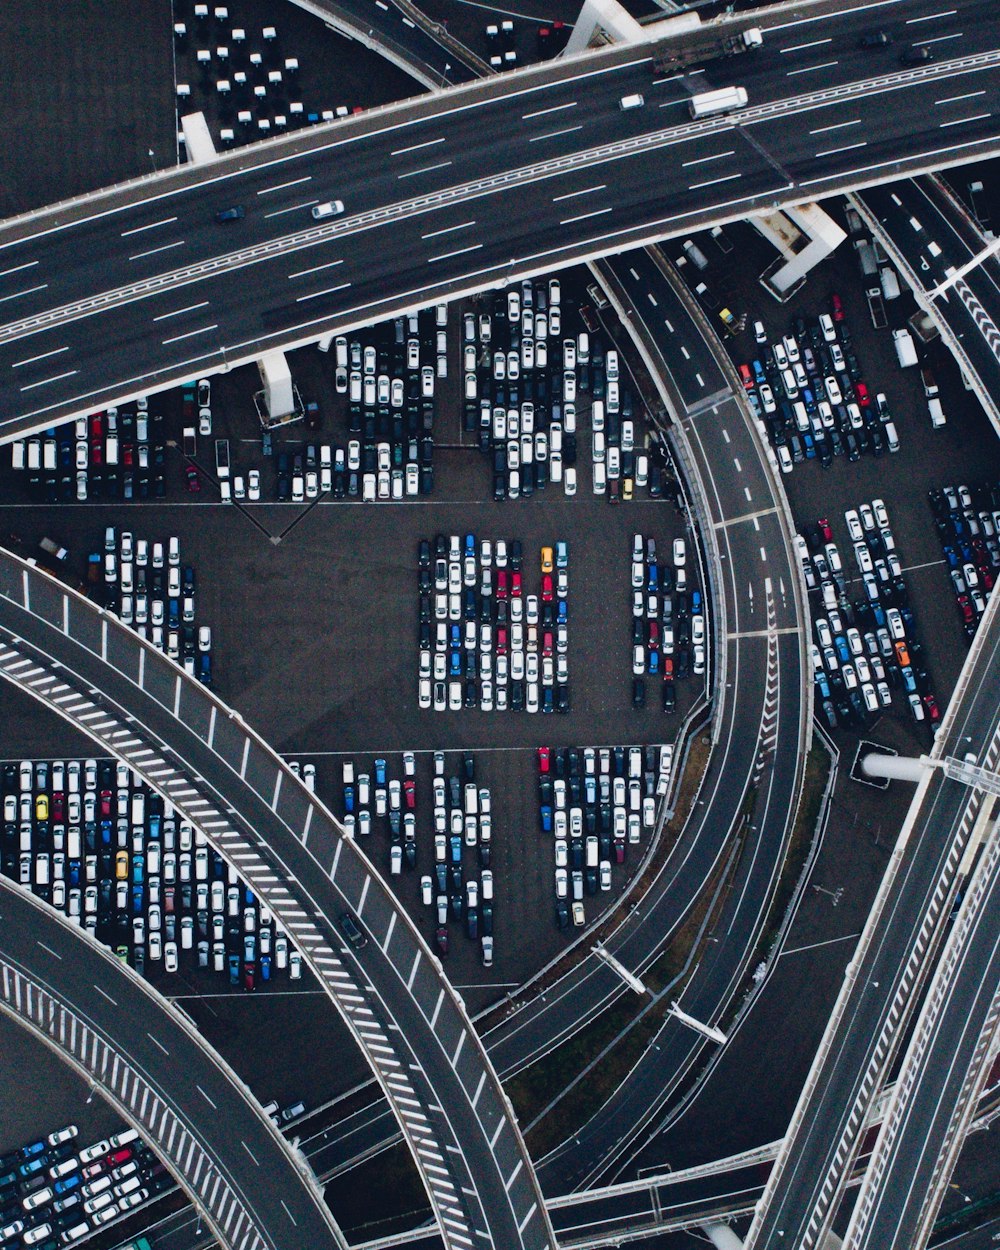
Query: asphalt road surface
(455,193)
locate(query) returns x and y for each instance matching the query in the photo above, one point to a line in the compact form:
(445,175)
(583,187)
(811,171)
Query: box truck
(722,100)
(906,353)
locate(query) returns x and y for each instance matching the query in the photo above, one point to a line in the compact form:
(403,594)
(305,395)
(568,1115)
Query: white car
(253,485)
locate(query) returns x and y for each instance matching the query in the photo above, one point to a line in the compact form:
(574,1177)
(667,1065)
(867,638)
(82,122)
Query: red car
(192,479)
(965,607)
(933,711)
(96,451)
(824,528)
(501,583)
(838,307)
(515,585)
(97,426)
(544,759)
(105,803)
(548,593)
(249,976)
(502,640)
(746,377)
(547,643)
(410,793)
(861,393)
(119,1156)
(654,635)
(441,938)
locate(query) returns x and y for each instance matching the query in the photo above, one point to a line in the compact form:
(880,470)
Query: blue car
(653,666)
(951,555)
(843,650)
(32,1149)
(154,825)
(68,1183)
(348,798)
(234,969)
(822,685)
(265,967)
(455,842)
(653,579)
(138,869)
(545,814)
(562,612)
(380,768)
(137,900)
(106,832)
(454,664)
(470,544)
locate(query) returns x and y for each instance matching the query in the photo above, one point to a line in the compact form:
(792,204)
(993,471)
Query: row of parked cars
(117,454)
(595,802)
(619,440)
(148,588)
(967,520)
(807,392)
(89,838)
(483,640)
(862,651)
(522,371)
(55,1193)
(668,619)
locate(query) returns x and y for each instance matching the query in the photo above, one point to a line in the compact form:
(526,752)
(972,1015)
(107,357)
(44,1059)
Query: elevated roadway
(763,690)
(153,1067)
(887,972)
(941,1075)
(928,235)
(391,991)
(404,35)
(129,291)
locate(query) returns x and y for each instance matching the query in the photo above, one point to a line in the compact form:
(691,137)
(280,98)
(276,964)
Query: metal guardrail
(251,774)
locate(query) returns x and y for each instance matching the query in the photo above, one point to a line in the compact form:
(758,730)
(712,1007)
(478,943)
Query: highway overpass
(888,970)
(392,993)
(151,1064)
(130,291)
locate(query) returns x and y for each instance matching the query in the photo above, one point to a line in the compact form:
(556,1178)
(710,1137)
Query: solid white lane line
(330,290)
(811,69)
(190,334)
(571,195)
(695,186)
(801,47)
(943,38)
(427,169)
(446,255)
(29,291)
(448,230)
(583,216)
(961,121)
(281,186)
(292,208)
(301,273)
(847,148)
(17,268)
(44,356)
(416,147)
(58,377)
(167,247)
(931,17)
(703,160)
(164,221)
(179,311)
(822,130)
(554,134)
(556,108)
(954,99)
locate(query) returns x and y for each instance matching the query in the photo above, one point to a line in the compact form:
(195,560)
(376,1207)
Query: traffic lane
(915,1159)
(672,333)
(127,350)
(818,151)
(876,982)
(230,1127)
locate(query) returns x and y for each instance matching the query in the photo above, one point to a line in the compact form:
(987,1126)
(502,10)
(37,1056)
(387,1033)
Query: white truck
(722,100)
(906,353)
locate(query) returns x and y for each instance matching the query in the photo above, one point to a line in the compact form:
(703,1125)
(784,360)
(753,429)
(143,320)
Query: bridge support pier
(722,1237)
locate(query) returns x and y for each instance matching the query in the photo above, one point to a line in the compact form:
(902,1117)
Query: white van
(891,437)
(635,101)
(937,413)
(111,449)
(597,415)
(17,454)
(600,478)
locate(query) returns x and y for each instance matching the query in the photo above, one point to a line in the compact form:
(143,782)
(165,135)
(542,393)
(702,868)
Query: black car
(638,693)
(351,930)
(669,697)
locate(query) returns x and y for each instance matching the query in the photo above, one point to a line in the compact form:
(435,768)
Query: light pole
(444,74)
(152,157)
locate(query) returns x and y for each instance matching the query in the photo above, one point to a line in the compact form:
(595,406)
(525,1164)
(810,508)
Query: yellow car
(547,560)
(121,866)
(42,807)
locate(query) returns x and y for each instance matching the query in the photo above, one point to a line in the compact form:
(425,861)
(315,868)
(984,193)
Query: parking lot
(964,451)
